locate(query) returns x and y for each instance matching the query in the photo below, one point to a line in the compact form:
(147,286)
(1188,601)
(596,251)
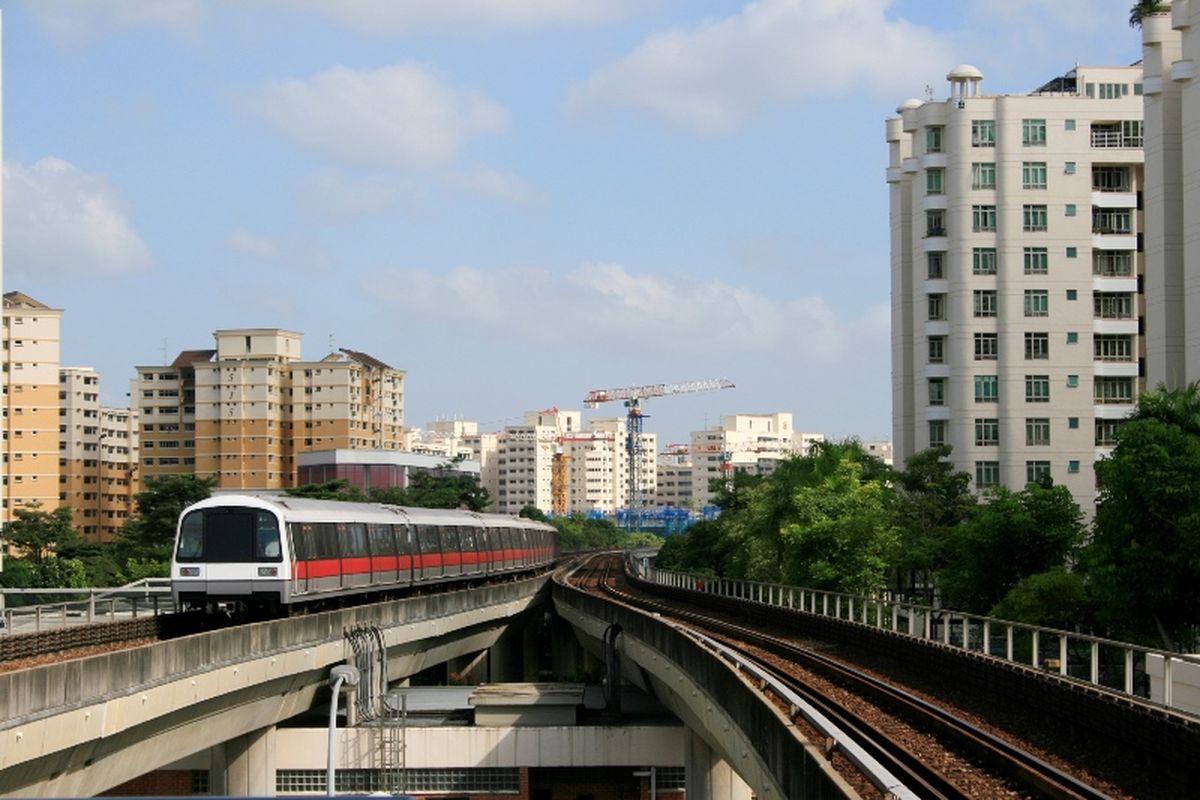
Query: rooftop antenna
(331,342)
(164,350)
(929,92)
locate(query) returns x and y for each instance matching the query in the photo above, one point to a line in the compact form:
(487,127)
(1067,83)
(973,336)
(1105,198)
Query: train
(270,554)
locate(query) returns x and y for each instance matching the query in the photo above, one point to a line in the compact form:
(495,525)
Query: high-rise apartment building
(242,412)
(597,467)
(1171,50)
(98,456)
(525,459)
(1016,261)
(31,409)
(751,443)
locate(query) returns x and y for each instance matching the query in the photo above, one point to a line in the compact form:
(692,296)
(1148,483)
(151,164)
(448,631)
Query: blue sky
(516,201)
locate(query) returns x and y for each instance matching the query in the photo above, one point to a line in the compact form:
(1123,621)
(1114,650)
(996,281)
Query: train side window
(382,539)
(301,534)
(468,539)
(427,536)
(450,539)
(266,540)
(353,536)
(191,537)
(404,539)
(327,542)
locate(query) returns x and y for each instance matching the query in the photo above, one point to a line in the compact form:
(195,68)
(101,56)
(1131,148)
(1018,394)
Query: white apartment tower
(1171,50)
(1016,235)
(751,443)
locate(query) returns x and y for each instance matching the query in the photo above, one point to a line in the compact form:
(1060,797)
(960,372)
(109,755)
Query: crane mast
(632,397)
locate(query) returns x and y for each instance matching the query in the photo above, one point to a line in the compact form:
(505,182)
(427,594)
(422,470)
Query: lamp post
(342,673)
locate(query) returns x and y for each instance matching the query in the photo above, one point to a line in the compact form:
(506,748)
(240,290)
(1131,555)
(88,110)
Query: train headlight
(189,572)
(268,572)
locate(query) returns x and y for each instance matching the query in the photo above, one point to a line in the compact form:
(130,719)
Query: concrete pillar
(708,776)
(505,659)
(531,652)
(249,764)
(569,660)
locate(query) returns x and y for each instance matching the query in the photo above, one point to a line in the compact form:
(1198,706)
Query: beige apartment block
(31,409)
(674,478)
(448,438)
(1171,51)
(597,467)
(242,412)
(98,456)
(1016,258)
(751,443)
(525,459)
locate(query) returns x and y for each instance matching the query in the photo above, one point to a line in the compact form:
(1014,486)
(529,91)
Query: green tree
(1143,563)
(441,488)
(150,532)
(932,499)
(339,489)
(1055,599)
(39,535)
(1010,537)
(534,513)
(841,535)
(1146,8)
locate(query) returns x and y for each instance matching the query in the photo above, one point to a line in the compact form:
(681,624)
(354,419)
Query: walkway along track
(1038,777)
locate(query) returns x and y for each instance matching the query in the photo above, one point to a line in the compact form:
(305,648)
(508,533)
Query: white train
(273,552)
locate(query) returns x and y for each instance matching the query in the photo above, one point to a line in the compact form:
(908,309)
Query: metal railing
(146,597)
(1117,666)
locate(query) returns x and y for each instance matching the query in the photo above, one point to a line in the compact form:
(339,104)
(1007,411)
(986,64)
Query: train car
(270,552)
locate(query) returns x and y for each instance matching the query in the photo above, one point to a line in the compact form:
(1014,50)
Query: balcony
(1117,135)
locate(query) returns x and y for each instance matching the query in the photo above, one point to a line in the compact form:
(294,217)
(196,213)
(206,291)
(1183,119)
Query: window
(936,261)
(1112,220)
(1072,467)
(1106,432)
(983,261)
(933,180)
(1073,381)
(937,349)
(933,139)
(1070,209)
(1033,132)
(1072,294)
(983,133)
(1069,168)
(1110,179)
(1037,471)
(1068,124)
(1037,345)
(1112,91)
(1037,431)
(987,389)
(1034,217)
(937,391)
(1113,305)
(1037,261)
(987,346)
(1072,252)
(937,432)
(983,218)
(1072,337)
(1112,263)
(1037,303)
(1109,390)
(983,175)
(987,474)
(987,432)
(1033,175)
(1037,388)
(985,302)
(1112,347)
(935,222)
(937,306)
(1073,423)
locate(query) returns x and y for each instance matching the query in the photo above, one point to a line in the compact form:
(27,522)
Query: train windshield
(226,535)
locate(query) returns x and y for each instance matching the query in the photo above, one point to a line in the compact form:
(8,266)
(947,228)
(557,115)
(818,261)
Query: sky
(515,201)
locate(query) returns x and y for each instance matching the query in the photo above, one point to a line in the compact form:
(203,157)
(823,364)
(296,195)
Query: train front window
(229,535)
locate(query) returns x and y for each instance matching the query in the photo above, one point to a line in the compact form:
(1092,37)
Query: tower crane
(632,397)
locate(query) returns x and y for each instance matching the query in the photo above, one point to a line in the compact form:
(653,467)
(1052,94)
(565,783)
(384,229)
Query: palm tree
(1145,8)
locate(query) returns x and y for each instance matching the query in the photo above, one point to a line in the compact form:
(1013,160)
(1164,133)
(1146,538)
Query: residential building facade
(751,443)
(1171,49)
(31,407)
(1016,239)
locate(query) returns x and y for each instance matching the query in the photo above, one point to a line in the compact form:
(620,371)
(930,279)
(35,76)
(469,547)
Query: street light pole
(342,673)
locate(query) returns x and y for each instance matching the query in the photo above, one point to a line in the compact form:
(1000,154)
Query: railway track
(913,769)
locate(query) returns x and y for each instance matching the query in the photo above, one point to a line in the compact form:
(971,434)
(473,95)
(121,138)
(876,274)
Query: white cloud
(389,17)
(76,22)
(607,305)
(59,219)
(714,78)
(303,256)
(402,115)
(495,184)
(334,195)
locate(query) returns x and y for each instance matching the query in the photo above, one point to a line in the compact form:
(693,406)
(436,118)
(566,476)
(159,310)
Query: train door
(302,553)
(406,553)
(452,551)
(356,555)
(429,542)
(383,554)
(467,548)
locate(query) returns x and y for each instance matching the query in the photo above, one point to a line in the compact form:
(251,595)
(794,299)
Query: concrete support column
(531,652)
(249,765)
(708,776)
(505,659)
(570,660)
